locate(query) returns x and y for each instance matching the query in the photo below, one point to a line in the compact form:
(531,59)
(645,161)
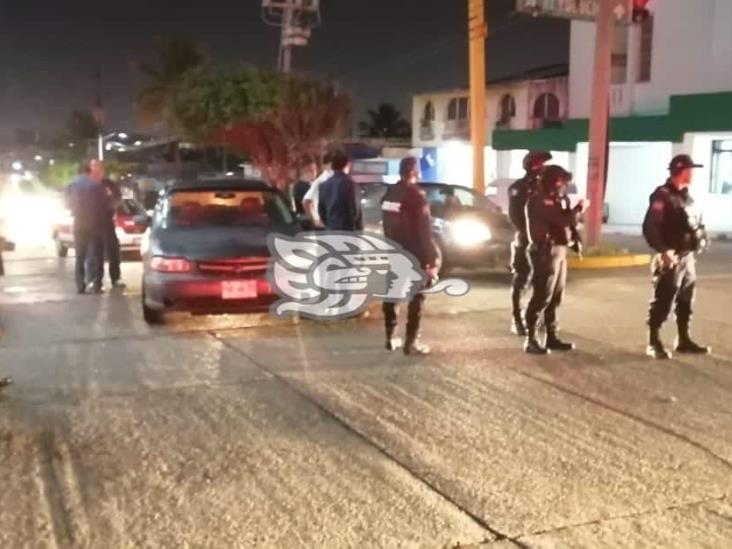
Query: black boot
(553,343)
(532,345)
(656,348)
(518,327)
(412,345)
(686,345)
(415,348)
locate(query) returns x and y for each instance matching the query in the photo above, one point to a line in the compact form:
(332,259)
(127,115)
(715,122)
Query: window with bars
(646,50)
(721,178)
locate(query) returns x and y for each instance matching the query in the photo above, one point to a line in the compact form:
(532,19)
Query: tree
(278,120)
(175,58)
(82,126)
(385,121)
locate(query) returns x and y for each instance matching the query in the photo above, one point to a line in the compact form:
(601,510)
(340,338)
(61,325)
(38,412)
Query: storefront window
(721,182)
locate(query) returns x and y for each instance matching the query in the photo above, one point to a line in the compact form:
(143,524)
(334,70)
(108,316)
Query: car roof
(228,184)
(421,184)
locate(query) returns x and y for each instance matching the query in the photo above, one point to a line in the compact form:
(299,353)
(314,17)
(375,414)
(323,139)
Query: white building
(671,93)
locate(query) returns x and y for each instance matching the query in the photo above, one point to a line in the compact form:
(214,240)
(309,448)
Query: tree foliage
(385,121)
(175,57)
(82,126)
(278,120)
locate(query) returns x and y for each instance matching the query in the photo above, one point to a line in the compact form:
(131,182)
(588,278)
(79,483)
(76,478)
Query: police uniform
(406,219)
(672,223)
(518,195)
(549,226)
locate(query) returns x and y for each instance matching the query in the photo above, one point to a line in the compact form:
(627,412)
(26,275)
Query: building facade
(671,93)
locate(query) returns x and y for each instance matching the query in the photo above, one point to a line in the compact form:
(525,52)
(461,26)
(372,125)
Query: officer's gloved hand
(669,259)
(432,276)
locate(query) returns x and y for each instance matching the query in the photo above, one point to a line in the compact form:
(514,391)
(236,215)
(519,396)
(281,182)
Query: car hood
(214,242)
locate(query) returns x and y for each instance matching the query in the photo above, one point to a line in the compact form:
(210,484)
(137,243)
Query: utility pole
(285,62)
(477,32)
(98,112)
(296,19)
(600,118)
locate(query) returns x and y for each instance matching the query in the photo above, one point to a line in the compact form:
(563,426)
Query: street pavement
(243,431)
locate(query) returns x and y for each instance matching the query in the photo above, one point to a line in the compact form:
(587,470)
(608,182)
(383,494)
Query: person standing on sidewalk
(406,216)
(312,197)
(111,242)
(674,230)
(518,196)
(339,203)
(549,226)
(88,204)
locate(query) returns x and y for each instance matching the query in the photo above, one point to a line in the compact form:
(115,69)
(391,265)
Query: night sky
(379,49)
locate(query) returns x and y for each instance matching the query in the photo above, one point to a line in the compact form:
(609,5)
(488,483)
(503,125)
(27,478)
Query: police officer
(673,229)
(406,216)
(518,195)
(550,224)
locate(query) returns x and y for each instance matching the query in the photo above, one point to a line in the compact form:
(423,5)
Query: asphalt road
(246,431)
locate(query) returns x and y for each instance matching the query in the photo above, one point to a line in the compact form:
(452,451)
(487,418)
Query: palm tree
(175,57)
(82,126)
(385,121)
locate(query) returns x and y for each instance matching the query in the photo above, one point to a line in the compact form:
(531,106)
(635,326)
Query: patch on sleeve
(657,206)
(513,192)
(548,202)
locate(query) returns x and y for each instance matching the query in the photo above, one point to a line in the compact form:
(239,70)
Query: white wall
(692,53)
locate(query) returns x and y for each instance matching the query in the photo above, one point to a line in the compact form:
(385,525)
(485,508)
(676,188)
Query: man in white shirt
(310,201)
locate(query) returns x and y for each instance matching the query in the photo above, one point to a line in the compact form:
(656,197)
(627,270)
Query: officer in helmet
(549,224)
(674,229)
(518,195)
(406,218)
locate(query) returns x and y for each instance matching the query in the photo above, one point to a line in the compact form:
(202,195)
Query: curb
(609,262)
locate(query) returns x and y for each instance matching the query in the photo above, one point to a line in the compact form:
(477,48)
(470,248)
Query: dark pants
(414,317)
(549,279)
(89,248)
(521,269)
(111,251)
(675,285)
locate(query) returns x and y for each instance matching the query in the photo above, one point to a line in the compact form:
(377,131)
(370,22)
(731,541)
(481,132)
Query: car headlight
(469,232)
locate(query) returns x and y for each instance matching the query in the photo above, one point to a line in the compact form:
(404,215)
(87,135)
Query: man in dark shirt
(111,242)
(89,206)
(549,228)
(406,217)
(518,196)
(339,205)
(674,230)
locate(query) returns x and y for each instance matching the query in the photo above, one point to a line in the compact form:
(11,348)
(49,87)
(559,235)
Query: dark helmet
(536,157)
(551,175)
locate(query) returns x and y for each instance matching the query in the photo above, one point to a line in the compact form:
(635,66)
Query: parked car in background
(206,251)
(470,230)
(131,223)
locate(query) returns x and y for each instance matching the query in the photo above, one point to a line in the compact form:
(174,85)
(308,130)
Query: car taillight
(170,264)
(264,288)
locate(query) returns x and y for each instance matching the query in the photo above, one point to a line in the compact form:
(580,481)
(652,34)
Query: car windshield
(227,208)
(442,198)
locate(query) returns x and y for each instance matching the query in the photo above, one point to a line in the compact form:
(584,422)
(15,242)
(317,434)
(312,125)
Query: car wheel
(152,317)
(61,249)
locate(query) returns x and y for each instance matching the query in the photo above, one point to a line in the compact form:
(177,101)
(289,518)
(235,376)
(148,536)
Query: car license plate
(239,289)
